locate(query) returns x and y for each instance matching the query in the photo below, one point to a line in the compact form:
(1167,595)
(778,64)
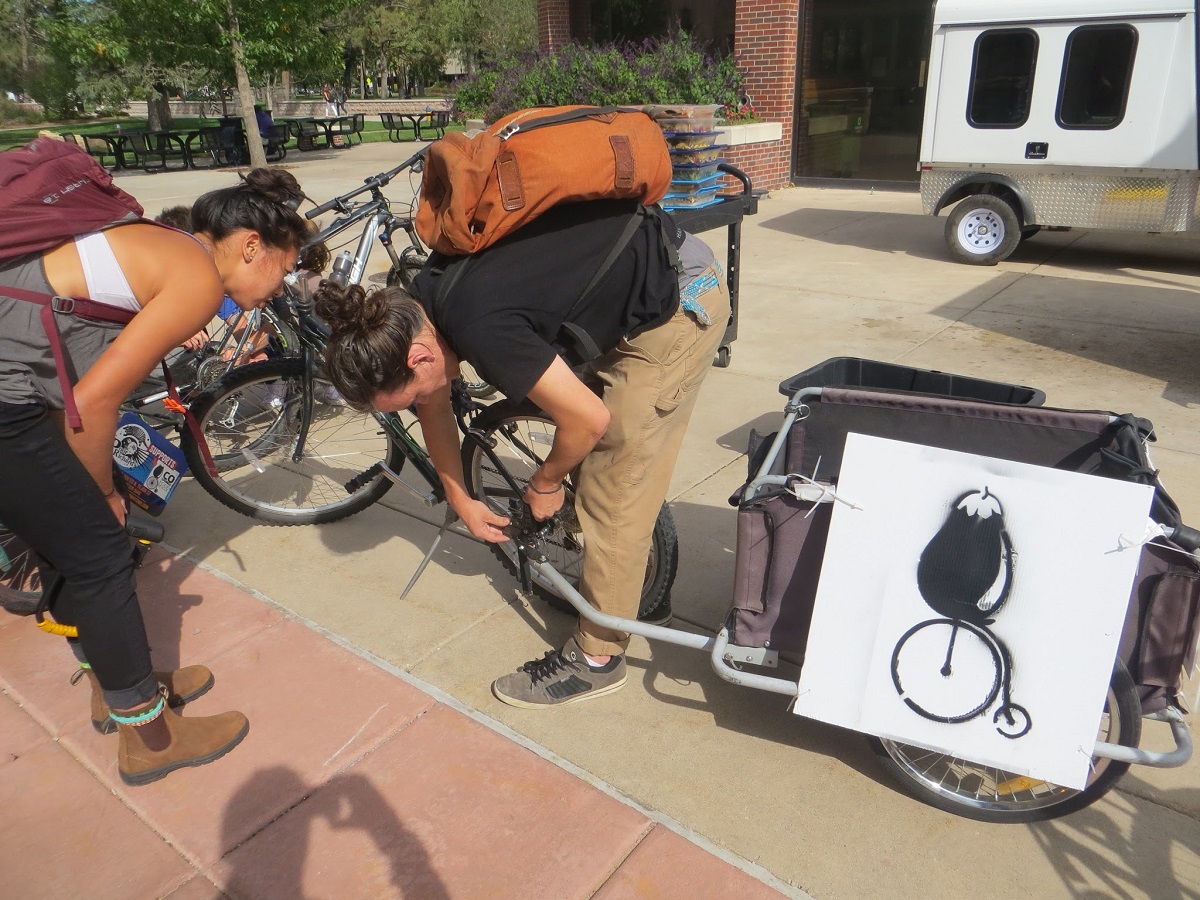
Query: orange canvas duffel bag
(479,189)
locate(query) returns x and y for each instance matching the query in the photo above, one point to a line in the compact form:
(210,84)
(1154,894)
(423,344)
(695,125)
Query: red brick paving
(351,782)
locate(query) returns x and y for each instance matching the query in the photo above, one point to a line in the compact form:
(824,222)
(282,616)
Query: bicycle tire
(20,577)
(411,262)
(990,794)
(518,431)
(252,440)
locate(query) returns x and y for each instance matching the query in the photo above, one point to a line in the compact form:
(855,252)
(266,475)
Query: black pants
(48,498)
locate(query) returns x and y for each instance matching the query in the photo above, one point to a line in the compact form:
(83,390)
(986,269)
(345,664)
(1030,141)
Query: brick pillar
(765,47)
(554,24)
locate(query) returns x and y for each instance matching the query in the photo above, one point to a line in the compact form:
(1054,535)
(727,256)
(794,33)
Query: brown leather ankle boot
(183,686)
(158,740)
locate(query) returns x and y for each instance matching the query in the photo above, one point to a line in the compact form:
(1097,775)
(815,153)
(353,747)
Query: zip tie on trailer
(1153,530)
(815,492)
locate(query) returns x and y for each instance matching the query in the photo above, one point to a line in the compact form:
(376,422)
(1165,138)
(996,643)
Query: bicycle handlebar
(371,184)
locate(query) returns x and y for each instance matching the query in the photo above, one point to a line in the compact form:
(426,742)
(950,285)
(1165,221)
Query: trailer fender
(998,185)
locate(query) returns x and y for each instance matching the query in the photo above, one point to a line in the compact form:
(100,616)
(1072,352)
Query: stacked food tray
(691,134)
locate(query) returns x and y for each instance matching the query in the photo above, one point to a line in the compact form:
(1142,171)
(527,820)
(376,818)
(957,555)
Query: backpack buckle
(508,131)
(64,305)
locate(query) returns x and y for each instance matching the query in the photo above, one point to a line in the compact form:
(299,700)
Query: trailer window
(1002,78)
(1096,73)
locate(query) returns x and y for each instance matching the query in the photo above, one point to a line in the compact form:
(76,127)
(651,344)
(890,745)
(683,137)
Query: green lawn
(373,129)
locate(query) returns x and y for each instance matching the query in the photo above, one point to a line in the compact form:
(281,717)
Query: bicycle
(287,452)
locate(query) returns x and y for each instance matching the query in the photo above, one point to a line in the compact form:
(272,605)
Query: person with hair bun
(593,283)
(57,491)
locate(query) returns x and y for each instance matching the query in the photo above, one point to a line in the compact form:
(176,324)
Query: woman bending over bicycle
(56,482)
(588,281)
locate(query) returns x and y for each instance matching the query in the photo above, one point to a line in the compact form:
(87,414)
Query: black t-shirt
(504,314)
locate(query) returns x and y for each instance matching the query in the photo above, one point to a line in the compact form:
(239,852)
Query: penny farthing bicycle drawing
(953,669)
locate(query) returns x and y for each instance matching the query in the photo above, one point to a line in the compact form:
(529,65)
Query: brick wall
(760,162)
(554,24)
(765,44)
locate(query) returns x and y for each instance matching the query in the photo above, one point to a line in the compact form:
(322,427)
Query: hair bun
(351,310)
(277,185)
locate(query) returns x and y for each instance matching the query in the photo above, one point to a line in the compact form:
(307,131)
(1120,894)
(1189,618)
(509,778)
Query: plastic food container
(695,173)
(696,200)
(695,141)
(687,126)
(680,188)
(658,111)
(695,157)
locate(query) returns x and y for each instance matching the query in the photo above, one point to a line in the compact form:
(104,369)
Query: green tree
(242,38)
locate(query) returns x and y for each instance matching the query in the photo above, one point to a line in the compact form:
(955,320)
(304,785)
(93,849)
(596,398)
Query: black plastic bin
(851,372)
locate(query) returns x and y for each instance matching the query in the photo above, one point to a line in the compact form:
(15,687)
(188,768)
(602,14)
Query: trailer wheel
(982,230)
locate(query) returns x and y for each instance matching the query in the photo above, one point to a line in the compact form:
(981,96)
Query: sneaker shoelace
(546,667)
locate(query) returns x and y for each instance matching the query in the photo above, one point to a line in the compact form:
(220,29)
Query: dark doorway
(860,88)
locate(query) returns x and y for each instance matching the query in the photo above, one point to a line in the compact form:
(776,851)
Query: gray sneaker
(559,677)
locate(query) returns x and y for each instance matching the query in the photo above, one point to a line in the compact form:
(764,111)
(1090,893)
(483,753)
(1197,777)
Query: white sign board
(972,605)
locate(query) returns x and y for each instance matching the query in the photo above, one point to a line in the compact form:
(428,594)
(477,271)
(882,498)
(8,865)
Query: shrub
(673,69)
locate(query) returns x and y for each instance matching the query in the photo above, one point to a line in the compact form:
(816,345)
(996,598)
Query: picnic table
(394,122)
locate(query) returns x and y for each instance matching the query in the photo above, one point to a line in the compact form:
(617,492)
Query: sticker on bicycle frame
(150,464)
(972,605)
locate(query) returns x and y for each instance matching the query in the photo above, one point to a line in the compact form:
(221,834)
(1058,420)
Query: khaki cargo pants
(649,385)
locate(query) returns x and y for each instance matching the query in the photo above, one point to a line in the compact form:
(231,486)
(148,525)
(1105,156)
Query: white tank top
(106,281)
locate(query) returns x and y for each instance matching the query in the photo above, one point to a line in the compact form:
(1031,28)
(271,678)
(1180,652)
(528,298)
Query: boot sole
(152,775)
(108,726)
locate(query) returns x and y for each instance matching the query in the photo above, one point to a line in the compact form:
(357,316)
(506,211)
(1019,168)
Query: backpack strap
(582,340)
(71,306)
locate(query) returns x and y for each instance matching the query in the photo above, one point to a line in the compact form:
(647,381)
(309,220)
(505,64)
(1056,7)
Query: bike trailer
(781,537)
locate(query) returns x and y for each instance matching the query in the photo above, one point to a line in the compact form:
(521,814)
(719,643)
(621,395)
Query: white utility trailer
(1059,113)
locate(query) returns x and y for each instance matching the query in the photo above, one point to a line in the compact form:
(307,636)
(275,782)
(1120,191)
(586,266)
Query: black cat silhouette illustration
(965,570)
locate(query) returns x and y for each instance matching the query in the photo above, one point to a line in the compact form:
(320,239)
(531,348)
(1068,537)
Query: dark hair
(265,201)
(314,258)
(367,351)
(177,217)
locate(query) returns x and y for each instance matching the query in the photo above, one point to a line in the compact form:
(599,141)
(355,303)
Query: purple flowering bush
(672,69)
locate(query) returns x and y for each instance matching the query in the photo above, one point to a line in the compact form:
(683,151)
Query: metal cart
(727,213)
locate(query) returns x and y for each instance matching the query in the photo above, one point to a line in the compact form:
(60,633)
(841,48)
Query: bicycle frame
(377,213)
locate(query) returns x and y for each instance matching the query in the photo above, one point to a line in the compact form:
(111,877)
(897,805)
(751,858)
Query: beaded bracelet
(557,488)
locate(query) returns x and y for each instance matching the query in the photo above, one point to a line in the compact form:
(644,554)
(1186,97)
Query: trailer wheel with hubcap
(982,230)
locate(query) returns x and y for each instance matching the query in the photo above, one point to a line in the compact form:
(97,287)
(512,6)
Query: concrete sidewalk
(1095,320)
(353,781)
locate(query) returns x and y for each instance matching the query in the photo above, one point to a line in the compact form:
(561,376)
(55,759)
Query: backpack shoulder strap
(581,338)
(71,306)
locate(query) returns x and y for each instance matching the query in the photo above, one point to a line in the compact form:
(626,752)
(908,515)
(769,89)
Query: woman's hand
(196,341)
(482,522)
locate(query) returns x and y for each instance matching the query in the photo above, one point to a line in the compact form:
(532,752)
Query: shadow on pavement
(1149,330)
(1152,850)
(271,864)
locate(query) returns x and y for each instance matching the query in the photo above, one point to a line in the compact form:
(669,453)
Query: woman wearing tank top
(56,482)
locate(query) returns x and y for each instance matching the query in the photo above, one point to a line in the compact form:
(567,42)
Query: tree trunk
(158,113)
(258,157)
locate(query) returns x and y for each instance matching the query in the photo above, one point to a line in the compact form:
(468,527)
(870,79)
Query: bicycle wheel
(522,436)
(20,580)
(991,794)
(251,420)
(411,262)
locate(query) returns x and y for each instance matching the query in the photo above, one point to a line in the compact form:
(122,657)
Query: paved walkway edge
(750,868)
